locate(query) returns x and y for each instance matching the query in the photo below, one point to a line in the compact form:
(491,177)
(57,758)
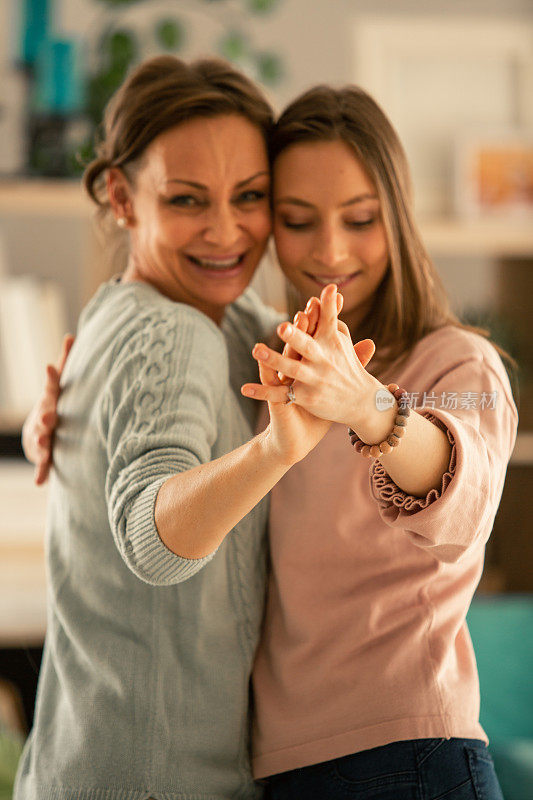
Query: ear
(120,196)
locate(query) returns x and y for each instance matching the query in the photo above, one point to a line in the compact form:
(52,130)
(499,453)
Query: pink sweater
(365,641)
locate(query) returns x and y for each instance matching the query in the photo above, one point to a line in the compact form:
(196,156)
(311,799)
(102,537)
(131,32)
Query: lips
(339,280)
(217,263)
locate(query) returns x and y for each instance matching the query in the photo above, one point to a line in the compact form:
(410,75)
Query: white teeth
(218,263)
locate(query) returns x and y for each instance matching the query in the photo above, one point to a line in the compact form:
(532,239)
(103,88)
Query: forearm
(196,509)
(418,463)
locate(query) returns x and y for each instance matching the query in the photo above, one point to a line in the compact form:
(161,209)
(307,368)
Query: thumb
(364,350)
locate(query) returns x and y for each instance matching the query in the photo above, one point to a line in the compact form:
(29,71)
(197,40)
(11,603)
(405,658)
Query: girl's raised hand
(311,316)
(38,429)
(293,431)
(329,380)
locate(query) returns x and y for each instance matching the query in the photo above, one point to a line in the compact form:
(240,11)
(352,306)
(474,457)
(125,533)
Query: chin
(225,295)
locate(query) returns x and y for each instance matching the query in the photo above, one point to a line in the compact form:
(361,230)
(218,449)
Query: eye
(296,226)
(251,196)
(359,224)
(185,201)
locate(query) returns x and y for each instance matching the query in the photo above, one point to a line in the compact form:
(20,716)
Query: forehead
(321,168)
(226,145)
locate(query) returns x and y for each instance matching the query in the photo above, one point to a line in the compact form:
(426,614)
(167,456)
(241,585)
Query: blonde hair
(411,301)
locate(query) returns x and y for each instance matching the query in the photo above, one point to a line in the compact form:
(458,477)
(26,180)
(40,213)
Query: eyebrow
(296,201)
(203,187)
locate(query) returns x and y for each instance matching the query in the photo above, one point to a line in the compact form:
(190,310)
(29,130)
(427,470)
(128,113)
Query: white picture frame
(494,175)
(437,77)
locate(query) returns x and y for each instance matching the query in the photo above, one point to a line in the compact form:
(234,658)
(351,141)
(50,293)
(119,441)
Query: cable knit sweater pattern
(144,685)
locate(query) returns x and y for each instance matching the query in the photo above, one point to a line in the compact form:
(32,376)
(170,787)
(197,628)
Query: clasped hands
(327,372)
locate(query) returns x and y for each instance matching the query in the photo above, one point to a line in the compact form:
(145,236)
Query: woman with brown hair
(154,611)
(365,681)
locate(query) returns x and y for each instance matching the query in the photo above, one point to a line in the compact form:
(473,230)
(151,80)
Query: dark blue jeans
(421,769)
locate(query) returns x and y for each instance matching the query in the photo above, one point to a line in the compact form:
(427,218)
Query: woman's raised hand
(312,315)
(293,431)
(329,380)
(38,429)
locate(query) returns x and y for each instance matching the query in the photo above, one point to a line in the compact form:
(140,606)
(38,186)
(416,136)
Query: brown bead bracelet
(395,436)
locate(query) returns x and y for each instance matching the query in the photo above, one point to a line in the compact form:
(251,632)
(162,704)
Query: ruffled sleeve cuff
(388,494)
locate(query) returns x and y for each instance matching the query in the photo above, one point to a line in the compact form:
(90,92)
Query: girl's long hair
(411,301)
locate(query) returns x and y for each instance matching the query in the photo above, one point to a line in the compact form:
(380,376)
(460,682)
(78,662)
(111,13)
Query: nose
(222,229)
(330,246)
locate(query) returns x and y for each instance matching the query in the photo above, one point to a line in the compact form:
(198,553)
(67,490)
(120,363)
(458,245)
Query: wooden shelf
(493,238)
(46,197)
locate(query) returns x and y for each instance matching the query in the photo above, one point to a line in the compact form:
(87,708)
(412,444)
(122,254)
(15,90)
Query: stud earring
(122,222)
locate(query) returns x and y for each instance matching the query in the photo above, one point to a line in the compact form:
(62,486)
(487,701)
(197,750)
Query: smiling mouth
(339,280)
(218,264)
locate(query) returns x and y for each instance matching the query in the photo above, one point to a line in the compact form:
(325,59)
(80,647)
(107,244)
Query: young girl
(365,680)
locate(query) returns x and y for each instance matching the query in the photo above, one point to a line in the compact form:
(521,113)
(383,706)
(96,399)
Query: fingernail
(246,390)
(295,318)
(287,330)
(261,353)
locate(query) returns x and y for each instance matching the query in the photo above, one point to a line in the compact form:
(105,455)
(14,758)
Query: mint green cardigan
(143,690)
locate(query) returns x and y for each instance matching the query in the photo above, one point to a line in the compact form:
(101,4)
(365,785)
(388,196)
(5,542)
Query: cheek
(376,251)
(177,233)
(288,248)
(260,226)
(154,228)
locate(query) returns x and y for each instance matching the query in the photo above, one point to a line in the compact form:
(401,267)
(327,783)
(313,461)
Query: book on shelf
(32,325)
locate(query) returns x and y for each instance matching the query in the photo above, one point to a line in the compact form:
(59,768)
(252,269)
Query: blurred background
(456,78)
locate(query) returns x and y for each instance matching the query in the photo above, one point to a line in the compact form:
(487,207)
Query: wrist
(387,445)
(375,415)
(273,455)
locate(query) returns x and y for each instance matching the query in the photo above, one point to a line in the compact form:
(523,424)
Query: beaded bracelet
(395,436)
